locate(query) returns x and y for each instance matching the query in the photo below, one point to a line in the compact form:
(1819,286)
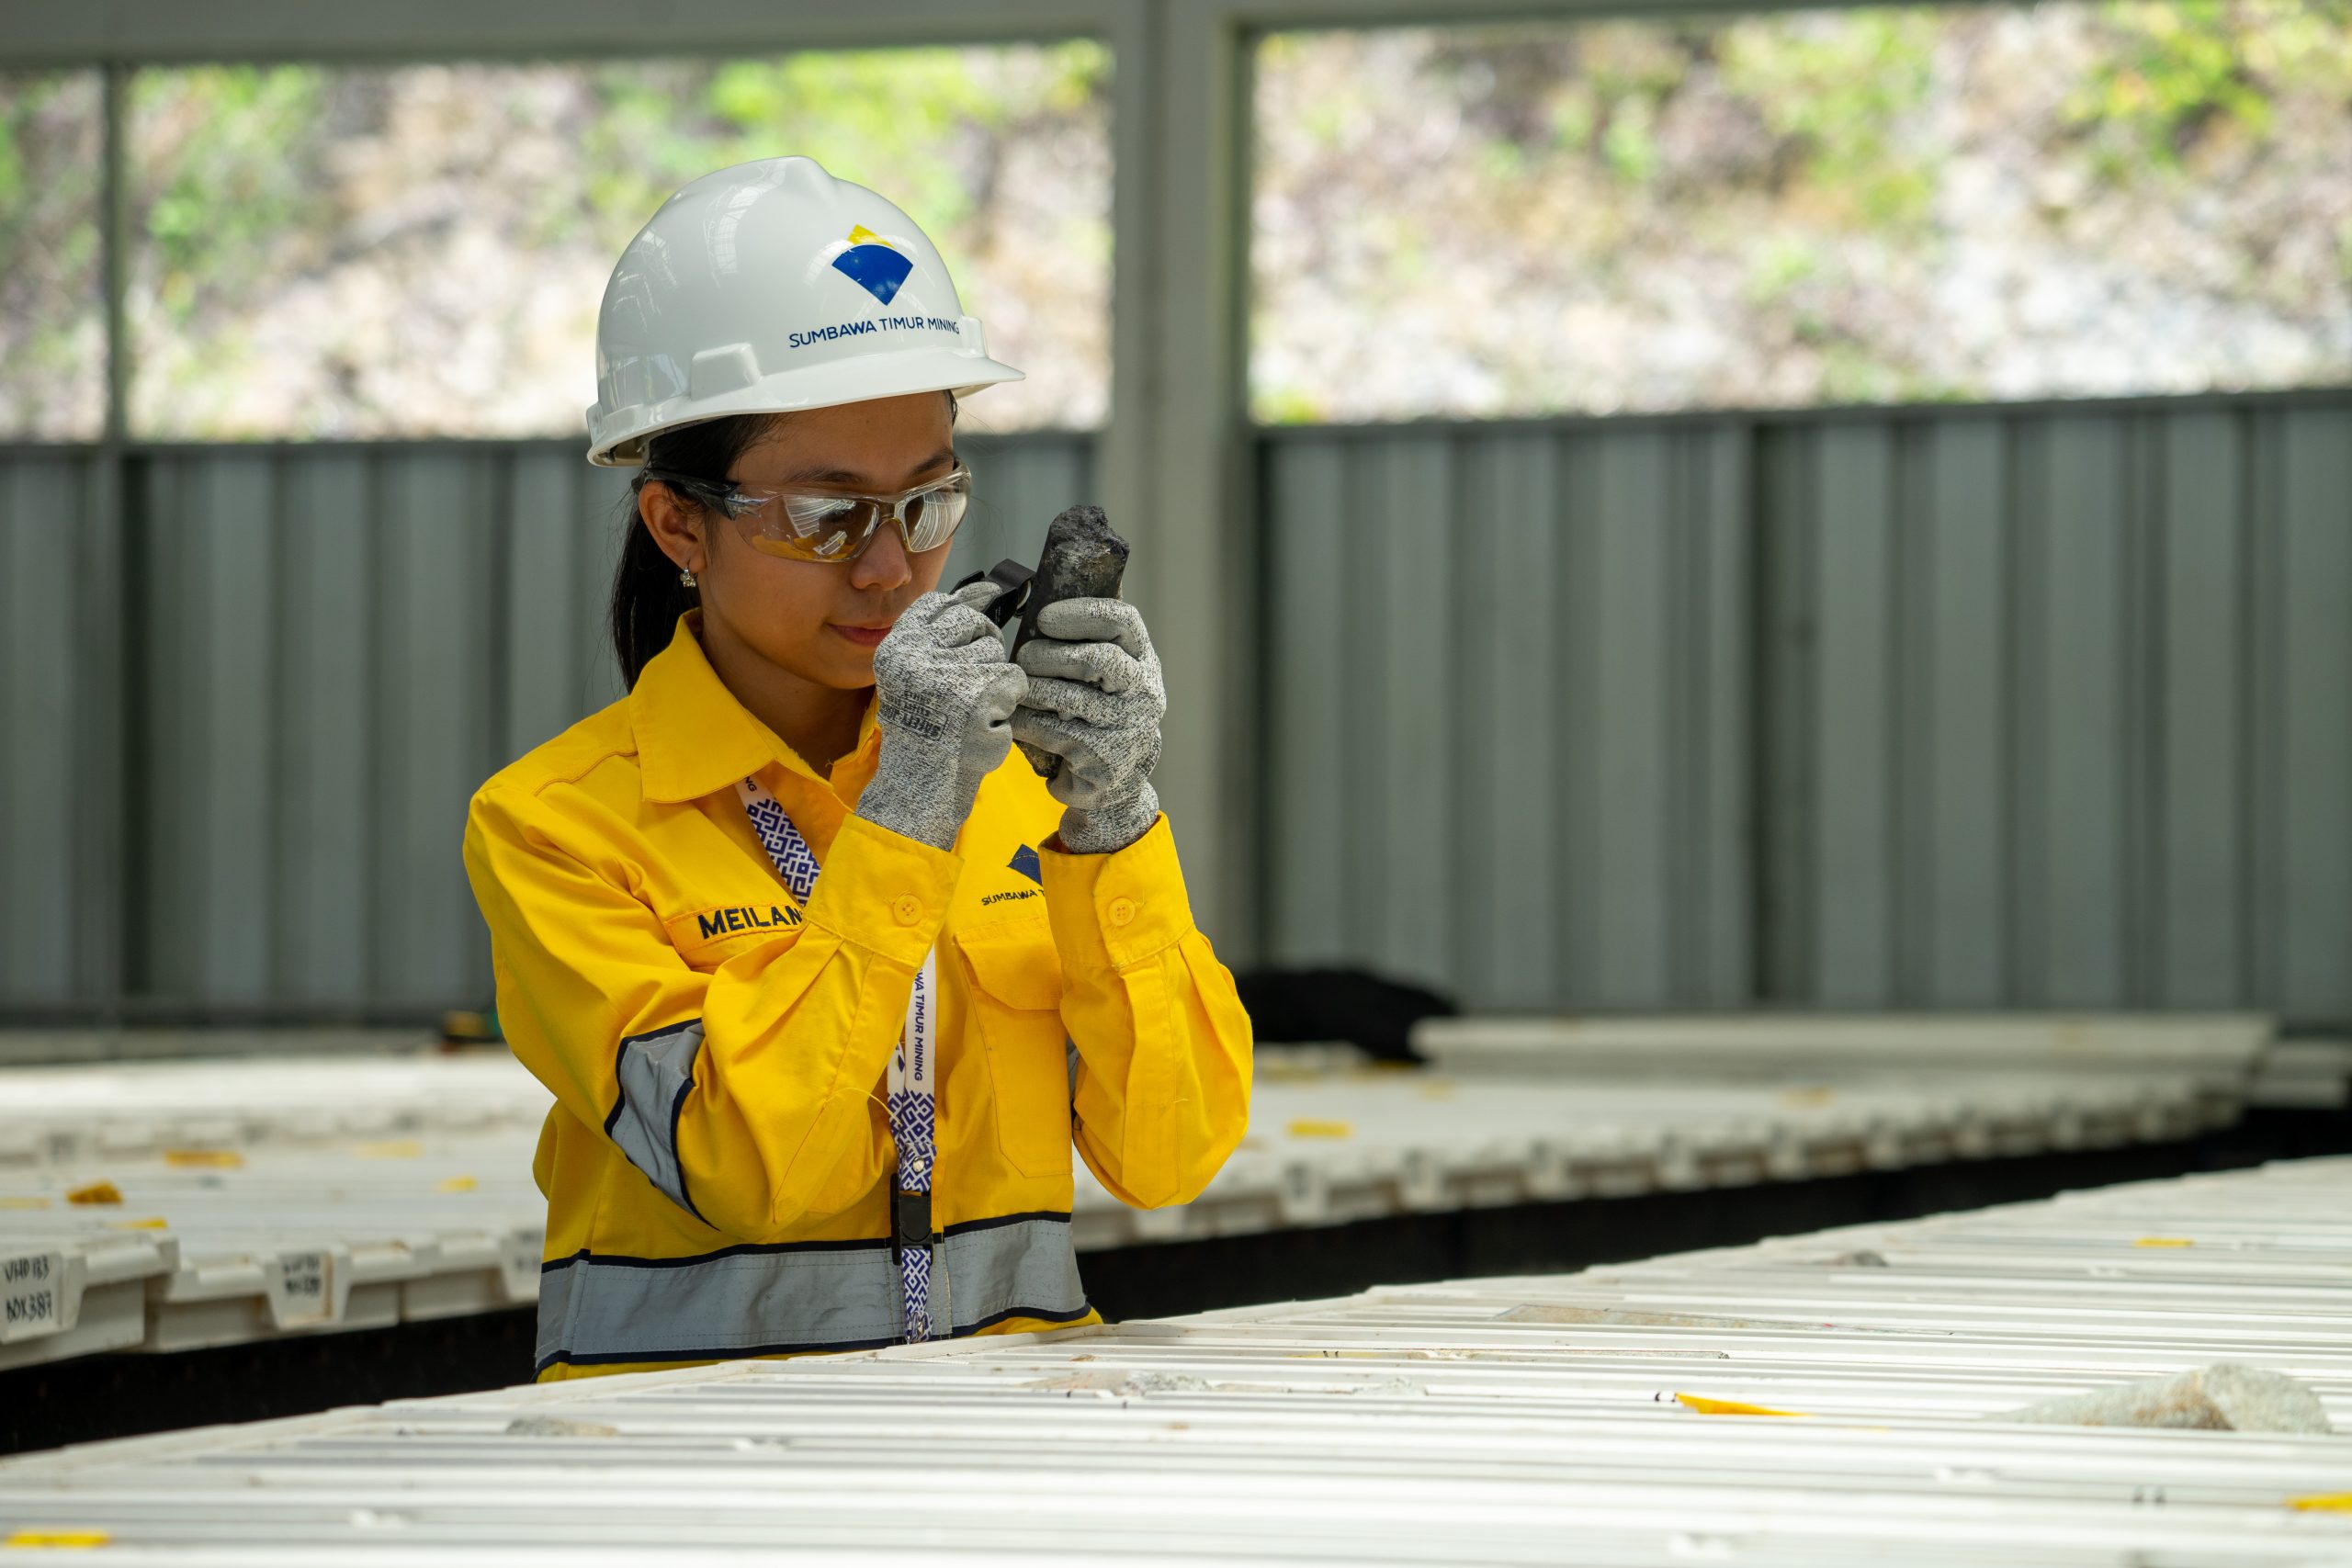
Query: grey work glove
(1095,697)
(944,697)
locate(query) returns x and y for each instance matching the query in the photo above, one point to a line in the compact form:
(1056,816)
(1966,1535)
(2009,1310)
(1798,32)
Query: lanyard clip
(911,1223)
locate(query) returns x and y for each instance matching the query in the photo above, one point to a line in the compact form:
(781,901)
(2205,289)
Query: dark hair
(648,598)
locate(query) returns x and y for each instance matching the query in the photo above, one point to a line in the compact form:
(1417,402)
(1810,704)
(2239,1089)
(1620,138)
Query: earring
(686,578)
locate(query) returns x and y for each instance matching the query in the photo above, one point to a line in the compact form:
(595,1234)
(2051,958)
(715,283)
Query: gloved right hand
(945,695)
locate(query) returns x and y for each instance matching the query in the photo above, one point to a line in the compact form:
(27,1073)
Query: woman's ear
(676,526)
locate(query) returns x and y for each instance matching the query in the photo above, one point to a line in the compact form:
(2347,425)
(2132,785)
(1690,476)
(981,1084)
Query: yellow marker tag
(391,1148)
(204,1159)
(2324,1503)
(455,1184)
(68,1541)
(95,1192)
(1804,1097)
(24,1203)
(1731,1407)
(139,1225)
(1305,1128)
(2163,1241)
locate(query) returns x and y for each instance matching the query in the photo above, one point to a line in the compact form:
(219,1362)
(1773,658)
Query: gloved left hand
(1095,697)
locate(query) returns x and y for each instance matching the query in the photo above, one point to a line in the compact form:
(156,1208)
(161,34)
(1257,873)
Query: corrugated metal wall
(2062,709)
(1941,708)
(1505,709)
(46,504)
(324,650)
(1953,708)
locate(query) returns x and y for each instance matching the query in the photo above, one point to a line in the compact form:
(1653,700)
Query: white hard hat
(769,287)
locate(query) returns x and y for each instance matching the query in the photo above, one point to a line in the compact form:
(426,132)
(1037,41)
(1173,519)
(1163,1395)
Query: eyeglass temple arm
(1012,588)
(713,493)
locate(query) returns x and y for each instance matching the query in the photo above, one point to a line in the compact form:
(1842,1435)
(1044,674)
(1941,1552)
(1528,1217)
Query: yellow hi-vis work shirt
(718,1165)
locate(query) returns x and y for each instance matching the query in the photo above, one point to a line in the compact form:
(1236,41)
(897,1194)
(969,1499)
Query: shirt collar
(694,738)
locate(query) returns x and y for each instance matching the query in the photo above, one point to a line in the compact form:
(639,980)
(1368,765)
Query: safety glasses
(831,525)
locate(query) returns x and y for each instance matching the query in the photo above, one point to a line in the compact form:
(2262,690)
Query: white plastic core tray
(1614,1416)
(246,1200)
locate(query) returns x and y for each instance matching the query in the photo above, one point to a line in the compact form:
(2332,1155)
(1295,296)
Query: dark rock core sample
(1083,559)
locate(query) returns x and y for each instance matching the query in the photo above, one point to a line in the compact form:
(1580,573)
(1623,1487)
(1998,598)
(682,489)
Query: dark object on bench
(1376,1016)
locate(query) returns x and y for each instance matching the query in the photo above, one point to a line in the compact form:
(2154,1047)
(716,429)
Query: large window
(1827,207)
(53,304)
(420,250)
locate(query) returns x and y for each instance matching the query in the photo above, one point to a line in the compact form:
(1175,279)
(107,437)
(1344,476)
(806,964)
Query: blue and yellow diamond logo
(874,263)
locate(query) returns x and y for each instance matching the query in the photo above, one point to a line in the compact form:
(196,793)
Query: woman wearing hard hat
(825,981)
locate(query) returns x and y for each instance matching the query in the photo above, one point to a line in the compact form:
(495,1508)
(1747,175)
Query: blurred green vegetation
(1829,160)
(2179,72)
(1806,147)
(1843,93)
(52,311)
(226,164)
(246,181)
(895,118)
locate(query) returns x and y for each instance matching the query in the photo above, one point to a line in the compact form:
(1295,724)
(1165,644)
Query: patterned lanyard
(911,1082)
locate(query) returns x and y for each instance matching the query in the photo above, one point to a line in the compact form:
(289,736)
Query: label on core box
(519,1262)
(301,1287)
(33,1294)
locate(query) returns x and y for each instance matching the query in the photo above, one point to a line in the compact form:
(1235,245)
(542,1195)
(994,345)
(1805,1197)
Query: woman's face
(820,620)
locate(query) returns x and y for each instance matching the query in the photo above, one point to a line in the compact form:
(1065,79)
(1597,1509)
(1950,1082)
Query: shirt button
(1123,910)
(908,908)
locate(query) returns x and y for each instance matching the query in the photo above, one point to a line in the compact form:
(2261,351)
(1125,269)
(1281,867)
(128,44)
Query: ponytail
(648,598)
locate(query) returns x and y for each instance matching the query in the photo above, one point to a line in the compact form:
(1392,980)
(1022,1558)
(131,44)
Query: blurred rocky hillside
(421,251)
(1982,201)
(1970,202)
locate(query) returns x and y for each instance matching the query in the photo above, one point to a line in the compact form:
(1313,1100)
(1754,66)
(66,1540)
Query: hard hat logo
(729,301)
(873,264)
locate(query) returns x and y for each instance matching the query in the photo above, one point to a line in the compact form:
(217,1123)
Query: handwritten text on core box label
(302,1286)
(30,1295)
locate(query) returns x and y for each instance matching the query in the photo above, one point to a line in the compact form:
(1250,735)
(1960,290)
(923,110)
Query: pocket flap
(1014,961)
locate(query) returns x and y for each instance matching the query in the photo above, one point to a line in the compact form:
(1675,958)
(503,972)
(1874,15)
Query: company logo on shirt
(746,918)
(874,263)
(1024,861)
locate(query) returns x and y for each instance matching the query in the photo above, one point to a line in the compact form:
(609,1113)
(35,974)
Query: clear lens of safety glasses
(830,526)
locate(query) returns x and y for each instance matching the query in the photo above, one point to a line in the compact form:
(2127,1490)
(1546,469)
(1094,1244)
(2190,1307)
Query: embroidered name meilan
(746,918)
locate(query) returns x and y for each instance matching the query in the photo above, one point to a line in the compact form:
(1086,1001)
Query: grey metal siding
(2313,878)
(1942,709)
(1018,484)
(42,890)
(1505,709)
(329,648)
(2075,695)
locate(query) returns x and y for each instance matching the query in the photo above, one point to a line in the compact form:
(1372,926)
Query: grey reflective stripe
(555,1306)
(655,1071)
(768,1300)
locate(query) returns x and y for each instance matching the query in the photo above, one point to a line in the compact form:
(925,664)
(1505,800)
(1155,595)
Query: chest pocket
(708,938)
(1016,998)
